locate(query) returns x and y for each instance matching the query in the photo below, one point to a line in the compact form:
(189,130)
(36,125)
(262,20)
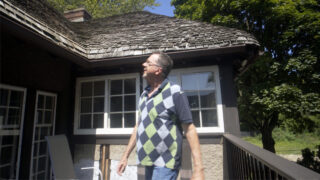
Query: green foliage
(281,134)
(282,86)
(103,8)
(310,159)
(288,142)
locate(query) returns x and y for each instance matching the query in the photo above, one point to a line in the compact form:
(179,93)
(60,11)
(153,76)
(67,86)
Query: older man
(164,113)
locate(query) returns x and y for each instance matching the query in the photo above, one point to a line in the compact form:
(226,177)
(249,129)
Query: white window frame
(215,70)
(34,128)
(20,131)
(105,130)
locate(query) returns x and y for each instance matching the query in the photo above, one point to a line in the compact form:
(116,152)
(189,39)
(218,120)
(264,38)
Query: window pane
(6,154)
(5,172)
(98,105)
(41,175)
(85,121)
(49,102)
(35,149)
(116,87)
(173,79)
(98,121)
(129,120)
(207,99)
(86,89)
(6,140)
(193,99)
(206,80)
(14,116)
(116,120)
(43,148)
(196,118)
(39,117)
(44,132)
(129,86)
(99,88)
(2,116)
(189,82)
(40,101)
(130,103)
(35,162)
(4,97)
(209,118)
(16,98)
(50,130)
(48,117)
(116,104)
(86,105)
(42,164)
(37,134)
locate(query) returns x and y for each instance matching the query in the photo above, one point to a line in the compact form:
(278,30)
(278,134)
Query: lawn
(288,143)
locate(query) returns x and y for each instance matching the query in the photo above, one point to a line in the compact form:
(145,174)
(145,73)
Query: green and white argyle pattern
(158,137)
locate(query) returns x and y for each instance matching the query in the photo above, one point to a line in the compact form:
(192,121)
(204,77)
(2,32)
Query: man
(163,113)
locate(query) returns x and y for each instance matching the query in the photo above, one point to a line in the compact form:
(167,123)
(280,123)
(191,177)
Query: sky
(165,8)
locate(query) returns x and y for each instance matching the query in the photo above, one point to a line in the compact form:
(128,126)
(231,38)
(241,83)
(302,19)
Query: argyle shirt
(159,133)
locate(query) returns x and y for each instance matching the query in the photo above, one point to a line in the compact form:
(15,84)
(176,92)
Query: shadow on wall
(87,155)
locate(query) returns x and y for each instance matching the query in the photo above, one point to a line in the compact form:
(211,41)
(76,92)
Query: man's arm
(192,137)
(124,160)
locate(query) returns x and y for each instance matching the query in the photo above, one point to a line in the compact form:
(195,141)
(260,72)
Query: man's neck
(154,85)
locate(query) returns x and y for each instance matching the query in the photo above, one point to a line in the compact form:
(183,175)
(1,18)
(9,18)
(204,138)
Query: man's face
(151,67)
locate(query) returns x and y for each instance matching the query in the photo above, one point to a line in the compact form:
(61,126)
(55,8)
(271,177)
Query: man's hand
(124,160)
(122,166)
(192,137)
(198,174)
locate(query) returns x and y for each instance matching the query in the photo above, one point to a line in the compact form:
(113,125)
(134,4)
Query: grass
(288,143)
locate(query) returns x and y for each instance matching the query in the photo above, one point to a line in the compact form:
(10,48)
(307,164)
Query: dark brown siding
(28,66)
(228,93)
(229,99)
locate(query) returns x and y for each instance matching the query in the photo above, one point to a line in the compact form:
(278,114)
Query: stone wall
(86,155)
(89,155)
(212,158)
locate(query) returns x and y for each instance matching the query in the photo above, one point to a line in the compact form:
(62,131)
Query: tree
(310,159)
(103,8)
(282,86)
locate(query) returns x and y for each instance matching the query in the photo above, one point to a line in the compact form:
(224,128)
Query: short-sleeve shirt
(159,133)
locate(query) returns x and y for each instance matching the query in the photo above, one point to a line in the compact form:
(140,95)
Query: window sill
(210,130)
(128,131)
(101,131)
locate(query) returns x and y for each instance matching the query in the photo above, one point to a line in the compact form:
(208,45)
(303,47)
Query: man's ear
(159,71)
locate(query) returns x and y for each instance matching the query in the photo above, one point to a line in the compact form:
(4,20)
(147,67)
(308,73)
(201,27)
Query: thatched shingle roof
(129,34)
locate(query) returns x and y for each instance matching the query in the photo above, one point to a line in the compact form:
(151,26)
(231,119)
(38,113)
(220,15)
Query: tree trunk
(267,140)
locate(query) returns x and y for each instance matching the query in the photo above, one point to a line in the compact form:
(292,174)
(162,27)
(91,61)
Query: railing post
(226,165)
(253,162)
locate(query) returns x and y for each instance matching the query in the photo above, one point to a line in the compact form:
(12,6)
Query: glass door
(44,124)
(12,103)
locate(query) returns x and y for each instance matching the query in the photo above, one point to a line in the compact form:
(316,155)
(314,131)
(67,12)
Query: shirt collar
(163,84)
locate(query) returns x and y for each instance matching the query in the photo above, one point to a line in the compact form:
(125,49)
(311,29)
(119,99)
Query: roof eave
(243,50)
(27,34)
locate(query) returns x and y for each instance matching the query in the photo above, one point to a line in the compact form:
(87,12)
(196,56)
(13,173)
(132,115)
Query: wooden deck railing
(243,160)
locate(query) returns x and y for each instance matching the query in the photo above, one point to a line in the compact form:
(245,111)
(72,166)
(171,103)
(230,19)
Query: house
(83,79)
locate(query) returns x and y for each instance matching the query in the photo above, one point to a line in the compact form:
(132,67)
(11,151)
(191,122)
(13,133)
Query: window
(92,104)
(106,104)
(12,102)
(44,123)
(202,88)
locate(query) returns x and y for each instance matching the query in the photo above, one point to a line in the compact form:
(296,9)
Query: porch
(231,158)
(242,160)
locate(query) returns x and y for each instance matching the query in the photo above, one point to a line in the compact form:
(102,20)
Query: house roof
(131,34)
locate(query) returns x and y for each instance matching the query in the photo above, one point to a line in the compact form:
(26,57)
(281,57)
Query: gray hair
(165,62)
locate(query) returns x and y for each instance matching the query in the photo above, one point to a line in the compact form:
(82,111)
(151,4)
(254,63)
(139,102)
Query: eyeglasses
(152,64)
